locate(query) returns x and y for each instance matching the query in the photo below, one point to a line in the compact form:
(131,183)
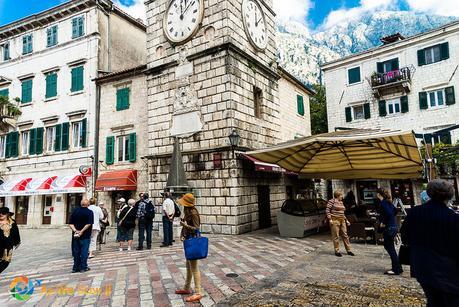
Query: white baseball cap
(121,200)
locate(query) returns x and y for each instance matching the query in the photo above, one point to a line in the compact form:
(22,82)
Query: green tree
(319,123)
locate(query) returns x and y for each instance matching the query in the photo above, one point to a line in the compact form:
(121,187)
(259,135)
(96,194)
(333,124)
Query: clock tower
(212,70)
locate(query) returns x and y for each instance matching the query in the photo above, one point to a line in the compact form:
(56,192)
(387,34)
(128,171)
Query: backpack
(177,212)
(149,211)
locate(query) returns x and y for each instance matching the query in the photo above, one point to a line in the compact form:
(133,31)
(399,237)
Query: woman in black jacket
(126,224)
(9,237)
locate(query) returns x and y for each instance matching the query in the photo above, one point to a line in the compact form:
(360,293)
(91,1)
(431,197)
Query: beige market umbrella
(349,154)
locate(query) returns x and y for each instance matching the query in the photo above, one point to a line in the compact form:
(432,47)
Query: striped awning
(75,183)
(349,154)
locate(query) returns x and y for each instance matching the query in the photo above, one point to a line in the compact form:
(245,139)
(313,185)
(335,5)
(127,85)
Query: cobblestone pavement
(145,278)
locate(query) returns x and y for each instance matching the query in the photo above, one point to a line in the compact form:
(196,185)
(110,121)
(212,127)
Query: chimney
(392,38)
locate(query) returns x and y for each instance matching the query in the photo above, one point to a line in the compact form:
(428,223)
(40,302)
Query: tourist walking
(190,225)
(122,204)
(388,226)
(431,231)
(81,222)
(145,215)
(9,237)
(126,224)
(98,217)
(168,208)
(337,219)
(104,223)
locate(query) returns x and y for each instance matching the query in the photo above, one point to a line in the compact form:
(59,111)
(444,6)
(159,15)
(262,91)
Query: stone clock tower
(211,70)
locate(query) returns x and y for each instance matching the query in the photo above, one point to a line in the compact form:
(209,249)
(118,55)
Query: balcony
(391,82)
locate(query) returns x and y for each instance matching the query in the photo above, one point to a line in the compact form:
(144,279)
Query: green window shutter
(24,45)
(74,27)
(110,150)
(450,97)
(81,26)
(14,144)
(348,111)
(382,108)
(300,104)
(49,34)
(444,51)
(84,124)
(380,67)
(65,136)
(51,85)
(39,142)
(404,104)
(421,57)
(8,146)
(58,141)
(26,91)
(423,104)
(366,110)
(394,64)
(5,92)
(122,99)
(32,142)
(132,147)
(118,100)
(353,75)
(77,79)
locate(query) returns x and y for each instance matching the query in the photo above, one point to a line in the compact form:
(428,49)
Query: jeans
(438,298)
(145,226)
(167,230)
(389,246)
(80,252)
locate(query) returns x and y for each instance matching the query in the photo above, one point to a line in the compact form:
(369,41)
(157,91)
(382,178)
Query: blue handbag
(196,247)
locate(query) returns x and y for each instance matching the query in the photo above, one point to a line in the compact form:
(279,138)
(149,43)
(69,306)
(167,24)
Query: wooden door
(264,206)
(73,201)
(47,203)
(21,210)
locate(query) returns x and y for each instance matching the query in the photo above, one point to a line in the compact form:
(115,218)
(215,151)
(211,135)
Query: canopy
(75,183)
(125,180)
(349,154)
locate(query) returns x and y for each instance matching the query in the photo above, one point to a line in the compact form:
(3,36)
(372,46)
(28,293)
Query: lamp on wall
(234,139)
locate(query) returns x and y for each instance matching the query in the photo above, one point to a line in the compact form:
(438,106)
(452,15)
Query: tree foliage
(9,109)
(319,123)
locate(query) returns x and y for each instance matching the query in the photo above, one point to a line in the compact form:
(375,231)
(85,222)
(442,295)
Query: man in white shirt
(98,216)
(168,209)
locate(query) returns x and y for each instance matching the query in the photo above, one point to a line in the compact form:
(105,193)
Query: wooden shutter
(14,144)
(5,93)
(421,57)
(423,104)
(122,99)
(110,150)
(132,147)
(26,91)
(24,45)
(380,67)
(366,110)
(48,37)
(382,108)
(58,141)
(80,78)
(84,124)
(300,104)
(32,142)
(444,51)
(77,79)
(51,85)
(348,112)
(450,96)
(39,141)
(404,104)
(81,26)
(65,136)
(74,27)
(8,146)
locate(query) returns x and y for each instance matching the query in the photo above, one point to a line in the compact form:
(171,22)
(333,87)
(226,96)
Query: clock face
(255,24)
(182,20)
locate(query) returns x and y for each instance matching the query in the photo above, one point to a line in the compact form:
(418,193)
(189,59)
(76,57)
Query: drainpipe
(96,133)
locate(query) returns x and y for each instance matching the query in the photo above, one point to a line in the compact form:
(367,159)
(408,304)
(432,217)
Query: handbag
(404,254)
(196,247)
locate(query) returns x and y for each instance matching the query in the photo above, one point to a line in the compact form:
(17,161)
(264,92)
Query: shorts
(125,234)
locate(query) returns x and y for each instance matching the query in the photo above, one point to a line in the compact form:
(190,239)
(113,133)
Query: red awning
(125,180)
(262,166)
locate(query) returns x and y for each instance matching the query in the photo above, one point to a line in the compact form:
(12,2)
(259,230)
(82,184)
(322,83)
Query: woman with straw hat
(191,223)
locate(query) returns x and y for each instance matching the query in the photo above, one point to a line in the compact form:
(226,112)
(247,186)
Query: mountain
(301,51)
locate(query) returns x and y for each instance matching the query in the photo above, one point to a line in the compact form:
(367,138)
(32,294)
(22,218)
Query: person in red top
(337,220)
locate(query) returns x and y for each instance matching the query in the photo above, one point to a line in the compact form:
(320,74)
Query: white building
(48,61)
(405,84)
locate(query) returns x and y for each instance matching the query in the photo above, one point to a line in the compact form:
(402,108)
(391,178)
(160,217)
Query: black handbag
(404,254)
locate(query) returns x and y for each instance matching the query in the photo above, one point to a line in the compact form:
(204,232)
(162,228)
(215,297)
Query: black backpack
(149,211)
(177,212)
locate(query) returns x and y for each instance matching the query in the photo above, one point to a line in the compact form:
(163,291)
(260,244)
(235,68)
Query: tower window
(257,101)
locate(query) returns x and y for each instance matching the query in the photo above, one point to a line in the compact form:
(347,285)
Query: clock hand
(256,23)
(189,5)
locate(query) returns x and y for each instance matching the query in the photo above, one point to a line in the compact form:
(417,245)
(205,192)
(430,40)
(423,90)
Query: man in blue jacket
(432,232)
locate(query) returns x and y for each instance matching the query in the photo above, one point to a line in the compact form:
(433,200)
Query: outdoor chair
(357,230)
(352,218)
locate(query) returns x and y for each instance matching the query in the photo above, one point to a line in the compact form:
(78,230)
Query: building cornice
(292,79)
(121,75)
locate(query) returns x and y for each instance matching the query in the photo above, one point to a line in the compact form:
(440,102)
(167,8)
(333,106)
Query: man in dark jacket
(145,215)
(81,224)
(432,232)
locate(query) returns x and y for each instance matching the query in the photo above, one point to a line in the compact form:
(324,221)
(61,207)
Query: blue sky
(314,13)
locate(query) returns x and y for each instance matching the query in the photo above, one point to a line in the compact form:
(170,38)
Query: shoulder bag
(196,247)
(127,213)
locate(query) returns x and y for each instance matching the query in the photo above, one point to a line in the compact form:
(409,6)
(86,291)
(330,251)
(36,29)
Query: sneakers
(390,272)
(129,249)
(183,292)
(121,249)
(338,254)
(194,298)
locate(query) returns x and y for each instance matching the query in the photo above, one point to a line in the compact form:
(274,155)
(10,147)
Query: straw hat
(187,200)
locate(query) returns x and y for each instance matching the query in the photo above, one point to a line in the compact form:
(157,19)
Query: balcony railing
(390,77)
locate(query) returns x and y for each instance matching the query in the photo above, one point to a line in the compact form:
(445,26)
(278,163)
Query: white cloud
(345,14)
(439,7)
(292,9)
(136,9)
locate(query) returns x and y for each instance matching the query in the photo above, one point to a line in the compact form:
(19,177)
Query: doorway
(21,209)
(73,201)
(403,189)
(264,207)
(115,205)
(47,203)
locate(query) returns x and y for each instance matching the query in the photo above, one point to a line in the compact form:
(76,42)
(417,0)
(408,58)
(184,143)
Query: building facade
(405,84)
(211,73)
(48,61)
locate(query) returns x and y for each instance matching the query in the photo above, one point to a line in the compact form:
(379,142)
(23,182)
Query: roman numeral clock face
(255,24)
(182,19)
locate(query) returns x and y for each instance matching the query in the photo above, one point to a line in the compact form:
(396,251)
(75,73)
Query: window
(26,91)
(6,51)
(50,138)
(12,145)
(51,36)
(4,92)
(300,104)
(27,46)
(433,54)
(2,146)
(122,99)
(386,66)
(393,106)
(77,79)
(126,148)
(257,101)
(25,140)
(358,112)
(354,75)
(77,27)
(79,134)
(123,148)
(51,85)
(436,98)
